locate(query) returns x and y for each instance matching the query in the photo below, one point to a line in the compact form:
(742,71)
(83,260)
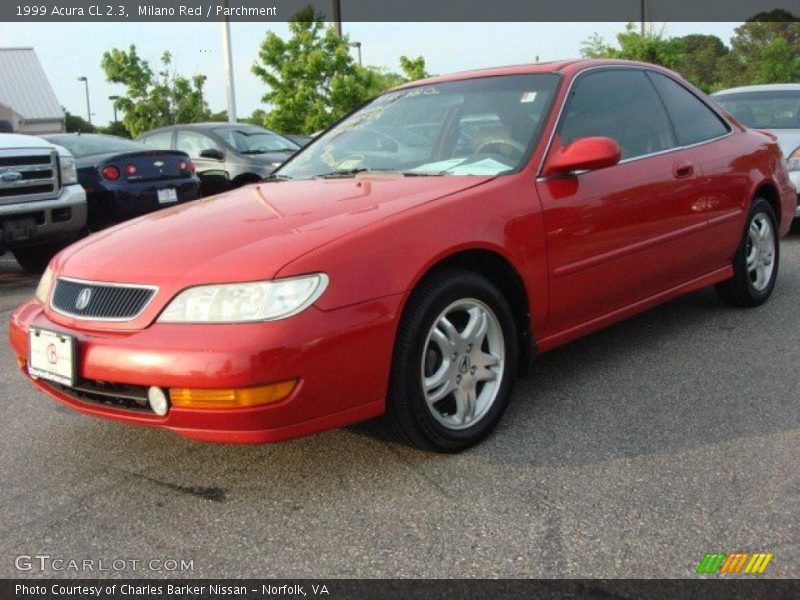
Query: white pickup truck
(42,207)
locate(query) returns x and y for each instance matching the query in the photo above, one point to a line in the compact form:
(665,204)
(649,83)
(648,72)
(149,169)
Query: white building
(26,98)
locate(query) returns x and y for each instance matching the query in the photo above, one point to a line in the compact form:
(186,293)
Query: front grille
(106,301)
(28,175)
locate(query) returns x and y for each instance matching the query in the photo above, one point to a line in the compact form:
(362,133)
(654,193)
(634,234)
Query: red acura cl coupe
(413,259)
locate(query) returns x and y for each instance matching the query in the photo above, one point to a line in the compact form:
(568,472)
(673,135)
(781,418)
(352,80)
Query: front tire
(755,265)
(454,364)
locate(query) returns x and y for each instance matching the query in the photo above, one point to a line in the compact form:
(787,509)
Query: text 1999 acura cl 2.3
(412,259)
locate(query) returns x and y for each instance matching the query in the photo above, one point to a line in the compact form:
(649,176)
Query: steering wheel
(503,146)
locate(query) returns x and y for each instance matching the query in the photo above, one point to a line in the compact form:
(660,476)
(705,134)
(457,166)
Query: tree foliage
(154,99)
(765,49)
(77,124)
(312,79)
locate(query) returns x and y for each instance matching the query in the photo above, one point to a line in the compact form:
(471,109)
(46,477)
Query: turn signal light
(110,172)
(231,398)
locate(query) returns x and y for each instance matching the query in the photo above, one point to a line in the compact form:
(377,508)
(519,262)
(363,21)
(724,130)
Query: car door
(723,183)
(624,233)
(208,157)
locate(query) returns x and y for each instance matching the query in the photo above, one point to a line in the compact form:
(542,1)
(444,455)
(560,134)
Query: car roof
(567,67)
(769,87)
(207,125)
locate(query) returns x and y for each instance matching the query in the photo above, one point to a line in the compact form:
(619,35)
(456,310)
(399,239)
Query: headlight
(245,302)
(793,162)
(45,283)
(69,174)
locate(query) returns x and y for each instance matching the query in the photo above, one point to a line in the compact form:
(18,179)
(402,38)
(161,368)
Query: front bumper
(58,219)
(341,359)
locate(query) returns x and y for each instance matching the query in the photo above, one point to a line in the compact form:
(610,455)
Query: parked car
(350,285)
(299,139)
(42,207)
(125,179)
(774,108)
(226,155)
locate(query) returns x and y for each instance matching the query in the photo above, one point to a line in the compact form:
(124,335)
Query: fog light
(158,400)
(231,398)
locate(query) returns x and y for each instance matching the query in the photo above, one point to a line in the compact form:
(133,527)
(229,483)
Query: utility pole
(645,30)
(337,16)
(228,68)
(85,80)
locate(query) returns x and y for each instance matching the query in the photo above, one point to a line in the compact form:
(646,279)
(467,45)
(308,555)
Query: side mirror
(584,154)
(214,153)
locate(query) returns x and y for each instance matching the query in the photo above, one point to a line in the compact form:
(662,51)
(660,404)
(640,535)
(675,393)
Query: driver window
(620,104)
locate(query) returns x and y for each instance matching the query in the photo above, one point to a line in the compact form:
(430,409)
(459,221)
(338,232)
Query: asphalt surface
(630,453)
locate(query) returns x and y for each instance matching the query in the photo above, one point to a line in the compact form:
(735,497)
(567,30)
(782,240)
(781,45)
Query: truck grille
(28,175)
(100,301)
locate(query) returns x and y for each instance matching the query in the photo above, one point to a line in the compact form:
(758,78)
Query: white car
(774,108)
(42,206)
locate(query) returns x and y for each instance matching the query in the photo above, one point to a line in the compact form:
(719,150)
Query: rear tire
(755,264)
(34,259)
(454,364)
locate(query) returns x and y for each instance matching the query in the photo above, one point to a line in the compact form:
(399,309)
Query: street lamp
(88,108)
(114,104)
(357,45)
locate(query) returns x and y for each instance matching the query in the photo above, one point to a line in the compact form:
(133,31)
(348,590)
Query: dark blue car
(125,179)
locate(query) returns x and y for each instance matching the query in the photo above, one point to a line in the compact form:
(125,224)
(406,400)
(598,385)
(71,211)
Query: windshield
(472,127)
(86,145)
(764,110)
(253,140)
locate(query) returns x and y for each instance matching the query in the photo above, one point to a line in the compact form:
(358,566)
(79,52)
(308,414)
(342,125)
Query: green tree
(765,49)
(632,45)
(76,124)
(700,60)
(413,68)
(115,128)
(312,79)
(154,99)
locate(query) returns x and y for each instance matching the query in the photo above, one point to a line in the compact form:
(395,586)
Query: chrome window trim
(730,132)
(154,289)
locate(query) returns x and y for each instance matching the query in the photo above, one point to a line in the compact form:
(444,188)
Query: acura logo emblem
(83,298)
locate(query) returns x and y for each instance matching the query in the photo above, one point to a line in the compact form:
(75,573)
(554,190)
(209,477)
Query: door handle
(682,169)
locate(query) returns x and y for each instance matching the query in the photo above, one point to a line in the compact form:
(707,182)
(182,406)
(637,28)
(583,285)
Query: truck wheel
(454,364)
(34,259)
(755,264)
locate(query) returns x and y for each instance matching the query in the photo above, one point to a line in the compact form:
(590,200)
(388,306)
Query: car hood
(246,234)
(788,139)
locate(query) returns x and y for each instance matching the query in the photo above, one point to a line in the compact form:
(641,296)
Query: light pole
(357,45)
(337,16)
(114,104)
(228,69)
(88,108)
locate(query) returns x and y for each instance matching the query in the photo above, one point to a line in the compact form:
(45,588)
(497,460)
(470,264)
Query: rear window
(764,109)
(87,145)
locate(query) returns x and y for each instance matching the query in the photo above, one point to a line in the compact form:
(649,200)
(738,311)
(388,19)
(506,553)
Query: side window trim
(568,96)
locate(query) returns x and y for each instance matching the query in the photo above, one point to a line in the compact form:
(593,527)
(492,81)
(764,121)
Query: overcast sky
(196,47)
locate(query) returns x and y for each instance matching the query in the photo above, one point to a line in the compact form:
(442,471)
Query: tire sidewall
(760,206)
(452,289)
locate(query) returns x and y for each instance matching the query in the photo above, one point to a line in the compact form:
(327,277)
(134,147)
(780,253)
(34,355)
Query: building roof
(24,86)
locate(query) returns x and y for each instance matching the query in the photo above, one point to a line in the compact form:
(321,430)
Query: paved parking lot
(630,453)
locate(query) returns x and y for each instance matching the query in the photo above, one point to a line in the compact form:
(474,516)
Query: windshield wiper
(276,177)
(342,173)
